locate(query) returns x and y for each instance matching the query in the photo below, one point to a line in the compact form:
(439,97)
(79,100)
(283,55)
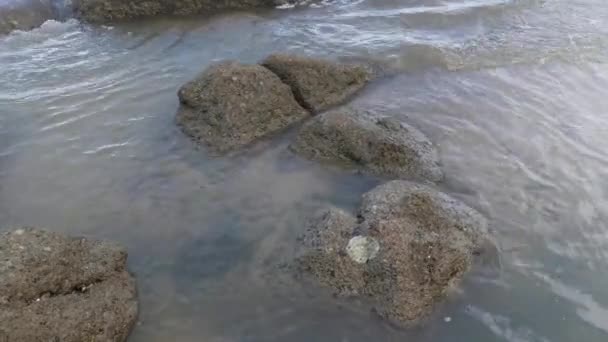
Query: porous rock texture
(359,139)
(422,243)
(58,288)
(319,84)
(231,104)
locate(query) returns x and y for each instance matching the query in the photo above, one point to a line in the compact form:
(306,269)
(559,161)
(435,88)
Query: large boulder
(101,11)
(24,14)
(57,288)
(409,245)
(379,145)
(231,104)
(318,84)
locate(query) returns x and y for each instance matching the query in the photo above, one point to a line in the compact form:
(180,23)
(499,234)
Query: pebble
(362,248)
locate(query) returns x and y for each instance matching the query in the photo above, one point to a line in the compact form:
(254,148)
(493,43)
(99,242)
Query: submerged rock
(318,84)
(409,245)
(100,11)
(57,288)
(382,146)
(24,14)
(231,104)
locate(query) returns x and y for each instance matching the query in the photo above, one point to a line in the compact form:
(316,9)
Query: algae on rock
(58,288)
(426,242)
(318,84)
(231,105)
(382,146)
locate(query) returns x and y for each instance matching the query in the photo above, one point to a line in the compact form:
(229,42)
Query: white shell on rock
(362,248)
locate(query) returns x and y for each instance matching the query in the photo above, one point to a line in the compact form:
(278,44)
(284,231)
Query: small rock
(382,146)
(41,296)
(407,247)
(318,84)
(226,107)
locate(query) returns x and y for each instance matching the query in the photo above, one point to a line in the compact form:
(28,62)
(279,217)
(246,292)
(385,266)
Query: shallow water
(515,94)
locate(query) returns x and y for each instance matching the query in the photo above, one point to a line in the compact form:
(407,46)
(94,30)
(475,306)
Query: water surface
(514,93)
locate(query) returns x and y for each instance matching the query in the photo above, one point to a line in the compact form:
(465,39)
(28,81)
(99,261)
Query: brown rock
(318,84)
(56,288)
(381,146)
(231,104)
(102,11)
(410,245)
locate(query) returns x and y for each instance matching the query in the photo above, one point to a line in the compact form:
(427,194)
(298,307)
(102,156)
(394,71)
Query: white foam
(286,6)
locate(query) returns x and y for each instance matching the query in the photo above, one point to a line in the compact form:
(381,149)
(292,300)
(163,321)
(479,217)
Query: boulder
(409,245)
(382,146)
(231,104)
(318,84)
(24,14)
(103,11)
(58,288)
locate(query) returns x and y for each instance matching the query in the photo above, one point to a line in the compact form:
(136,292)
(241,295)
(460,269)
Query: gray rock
(103,11)
(381,146)
(318,84)
(426,242)
(231,104)
(57,288)
(24,14)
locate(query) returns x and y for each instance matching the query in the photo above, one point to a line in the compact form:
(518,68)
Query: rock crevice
(316,83)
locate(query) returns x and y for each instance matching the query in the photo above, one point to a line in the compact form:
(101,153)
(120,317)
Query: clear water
(515,93)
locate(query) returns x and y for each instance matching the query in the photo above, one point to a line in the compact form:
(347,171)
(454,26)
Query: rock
(24,14)
(103,11)
(231,104)
(412,245)
(381,146)
(318,84)
(57,288)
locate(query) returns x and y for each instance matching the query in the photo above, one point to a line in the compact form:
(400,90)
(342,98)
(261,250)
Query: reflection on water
(513,92)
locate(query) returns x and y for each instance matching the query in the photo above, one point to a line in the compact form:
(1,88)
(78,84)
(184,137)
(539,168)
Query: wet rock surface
(57,288)
(414,244)
(100,11)
(231,104)
(24,14)
(318,84)
(358,139)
